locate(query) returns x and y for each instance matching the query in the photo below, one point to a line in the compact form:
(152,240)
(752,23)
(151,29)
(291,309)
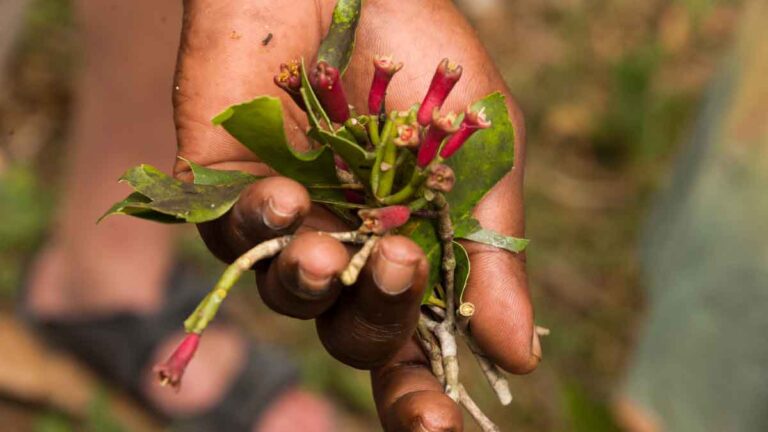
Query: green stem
(206,311)
(357,130)
(388,177)
(417,204)
(380,148)
(373,131)
(407,191)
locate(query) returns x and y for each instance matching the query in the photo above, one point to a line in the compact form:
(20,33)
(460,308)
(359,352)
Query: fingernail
(390,275)
(277,217)
(312,285)
(536,346)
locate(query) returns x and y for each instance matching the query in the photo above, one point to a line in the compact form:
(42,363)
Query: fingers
(372,320)
(409,398)
(268,208)
(303,281)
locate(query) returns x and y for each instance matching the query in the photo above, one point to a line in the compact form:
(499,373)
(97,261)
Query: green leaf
(461,274)
(139,206)
(512,244)
(483,160)
(315,111)
(208,176)
(424,232)
(359,160)
(160,197)
(258,125)
(336,49)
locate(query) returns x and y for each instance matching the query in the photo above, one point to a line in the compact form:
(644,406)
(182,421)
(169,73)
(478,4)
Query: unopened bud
(441,178)
(473,121)
(446,76)
(380,220)
(384,69)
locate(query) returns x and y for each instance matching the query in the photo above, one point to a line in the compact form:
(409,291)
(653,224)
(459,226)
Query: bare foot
(216,365)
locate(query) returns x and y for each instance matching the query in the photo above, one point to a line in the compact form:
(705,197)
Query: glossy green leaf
(483,160)
(258,125)
(461,274)
(512,244)
(470,229)
(209,176)
(139,206)
(160,197)
(315,111)
(336,49)
(359,160)
(424,232)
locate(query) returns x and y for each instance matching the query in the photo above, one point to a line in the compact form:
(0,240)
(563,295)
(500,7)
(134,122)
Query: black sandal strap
(120,346)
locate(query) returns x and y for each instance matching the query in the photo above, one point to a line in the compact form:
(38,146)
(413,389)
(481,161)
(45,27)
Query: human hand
(222,61)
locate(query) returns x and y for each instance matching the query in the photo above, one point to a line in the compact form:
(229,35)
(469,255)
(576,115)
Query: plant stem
(436,358)
(482,420)
(206,311)
(492,373)
(407,191)
(380,148)
(352,271)
(447,329)
(388,168)
(373,130)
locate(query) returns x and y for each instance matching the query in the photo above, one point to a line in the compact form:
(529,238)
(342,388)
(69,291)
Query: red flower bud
(473,120)
(446,76)
(289,79)
(380,220)
(441,178)
(384,69)
(326,82)
(407,136)
(172,370)
(440,128)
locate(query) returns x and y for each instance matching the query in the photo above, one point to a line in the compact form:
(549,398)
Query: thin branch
(469,404)
(199,319)
(352,271)
(492,373)
(446,332)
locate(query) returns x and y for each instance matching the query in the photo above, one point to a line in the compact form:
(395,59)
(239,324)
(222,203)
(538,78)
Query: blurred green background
(609,89)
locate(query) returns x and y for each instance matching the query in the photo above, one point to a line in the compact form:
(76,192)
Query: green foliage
(258,125)
(162,198)
(483,160)
(336,49)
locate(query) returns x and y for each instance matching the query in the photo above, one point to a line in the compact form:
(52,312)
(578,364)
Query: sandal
(120,346)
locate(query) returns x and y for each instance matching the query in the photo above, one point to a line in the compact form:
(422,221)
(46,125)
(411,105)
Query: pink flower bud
(473,120)
(384,69)
(446,76)
(172,370)
(326,82)
(380,220)
(440,128)
(441,178)
(289,79)
(407,136)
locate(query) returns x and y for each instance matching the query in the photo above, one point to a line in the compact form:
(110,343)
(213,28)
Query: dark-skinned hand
(222,61)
